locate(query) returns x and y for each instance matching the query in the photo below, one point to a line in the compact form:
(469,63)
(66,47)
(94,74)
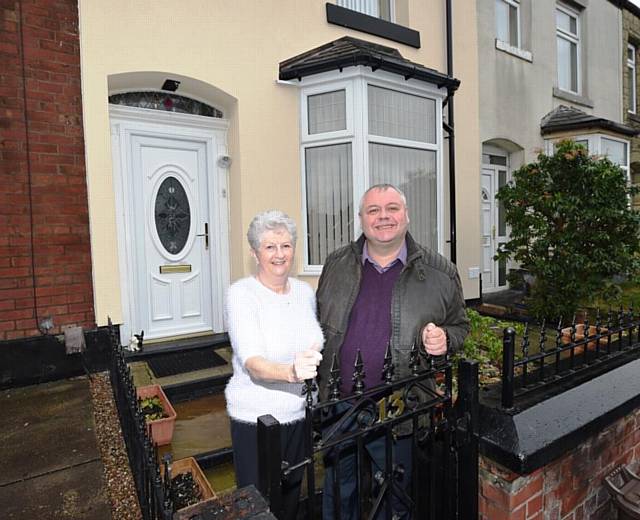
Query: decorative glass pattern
(172,215)
(165,101)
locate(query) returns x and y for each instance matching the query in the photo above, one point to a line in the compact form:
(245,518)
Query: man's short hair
(382,187)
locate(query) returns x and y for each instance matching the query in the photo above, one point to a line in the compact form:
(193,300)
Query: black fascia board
(376,63)
(525,440)
(371,25)
(603,124)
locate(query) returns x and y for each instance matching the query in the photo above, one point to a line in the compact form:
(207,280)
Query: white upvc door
(173,233)
(494,228)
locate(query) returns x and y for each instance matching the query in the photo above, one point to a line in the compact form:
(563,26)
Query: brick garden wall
(45,263)
(570,488)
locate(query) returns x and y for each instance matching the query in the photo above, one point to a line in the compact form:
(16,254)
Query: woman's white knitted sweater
(275,326)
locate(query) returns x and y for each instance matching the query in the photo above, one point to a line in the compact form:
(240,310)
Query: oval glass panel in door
(172,215)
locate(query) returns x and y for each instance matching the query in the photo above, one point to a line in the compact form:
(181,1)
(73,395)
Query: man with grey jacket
(383,289)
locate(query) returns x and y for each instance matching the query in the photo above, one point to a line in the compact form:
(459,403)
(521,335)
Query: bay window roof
(565,118)
(351,52)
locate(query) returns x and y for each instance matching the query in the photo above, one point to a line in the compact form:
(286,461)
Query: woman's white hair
(268,221)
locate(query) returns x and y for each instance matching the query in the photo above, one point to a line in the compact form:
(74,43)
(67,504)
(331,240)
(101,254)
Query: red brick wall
(570,488)
(43,193)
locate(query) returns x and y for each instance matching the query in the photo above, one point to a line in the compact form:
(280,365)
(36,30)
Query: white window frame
(573,38)
(356,80)
(631,68)
(594,143)
(372,9)
(516,4)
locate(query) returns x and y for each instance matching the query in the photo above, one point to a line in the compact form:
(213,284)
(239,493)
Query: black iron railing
(418,408)
(551,355)
(153,495)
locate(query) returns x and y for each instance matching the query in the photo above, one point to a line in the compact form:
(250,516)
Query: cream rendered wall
(236,46)
(468,149)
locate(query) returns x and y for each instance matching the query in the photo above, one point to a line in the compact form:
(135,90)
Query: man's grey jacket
(428,290)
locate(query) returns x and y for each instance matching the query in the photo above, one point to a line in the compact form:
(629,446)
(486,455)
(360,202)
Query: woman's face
(275,254)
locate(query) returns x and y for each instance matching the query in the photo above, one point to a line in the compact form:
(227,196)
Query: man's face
(384,217)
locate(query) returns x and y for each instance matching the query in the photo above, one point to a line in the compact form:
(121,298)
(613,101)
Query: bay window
(367,129)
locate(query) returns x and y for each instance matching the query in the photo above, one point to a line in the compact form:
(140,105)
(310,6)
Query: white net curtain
(401,151)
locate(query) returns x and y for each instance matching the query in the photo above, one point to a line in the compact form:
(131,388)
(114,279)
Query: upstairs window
(568,48)
(383,9)
(508,22)
(631,77)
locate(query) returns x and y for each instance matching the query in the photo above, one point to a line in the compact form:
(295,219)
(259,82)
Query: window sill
(514,51)
(371,25)
(573,98)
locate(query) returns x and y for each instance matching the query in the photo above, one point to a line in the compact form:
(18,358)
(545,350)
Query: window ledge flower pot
(160,430)
(190,465)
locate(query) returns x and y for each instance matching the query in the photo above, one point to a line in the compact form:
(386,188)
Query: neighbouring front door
(494,228)
(171,229)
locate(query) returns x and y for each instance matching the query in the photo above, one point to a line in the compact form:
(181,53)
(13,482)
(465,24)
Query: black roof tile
(568,118)
(351,52)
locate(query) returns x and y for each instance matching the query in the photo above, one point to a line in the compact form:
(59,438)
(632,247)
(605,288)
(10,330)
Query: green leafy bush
(484,341)
(572,228)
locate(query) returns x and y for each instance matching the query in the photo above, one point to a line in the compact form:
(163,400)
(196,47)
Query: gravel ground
(117,473)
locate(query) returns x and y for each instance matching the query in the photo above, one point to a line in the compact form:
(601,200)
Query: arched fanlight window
(165,101)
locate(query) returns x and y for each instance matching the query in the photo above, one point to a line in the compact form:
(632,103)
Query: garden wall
(570,487)
(548,461)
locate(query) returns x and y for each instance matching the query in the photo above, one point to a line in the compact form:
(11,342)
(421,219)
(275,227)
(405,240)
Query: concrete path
(51,467)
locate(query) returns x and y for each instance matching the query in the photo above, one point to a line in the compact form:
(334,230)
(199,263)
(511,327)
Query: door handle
(205,235)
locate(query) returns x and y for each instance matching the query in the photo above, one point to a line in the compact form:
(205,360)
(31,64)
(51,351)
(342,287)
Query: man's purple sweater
(369,327)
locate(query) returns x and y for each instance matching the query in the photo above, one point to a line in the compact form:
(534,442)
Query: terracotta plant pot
(190,465)
(160,430)
(591,345)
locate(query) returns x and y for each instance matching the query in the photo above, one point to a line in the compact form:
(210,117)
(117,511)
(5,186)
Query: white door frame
(496,240)
(125,122)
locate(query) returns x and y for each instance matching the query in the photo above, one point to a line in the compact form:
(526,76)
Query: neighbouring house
(630,105)
(548,71)
(140,138)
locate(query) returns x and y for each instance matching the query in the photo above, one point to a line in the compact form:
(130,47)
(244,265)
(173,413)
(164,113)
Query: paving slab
(68,494)
(44,428)
(51,466)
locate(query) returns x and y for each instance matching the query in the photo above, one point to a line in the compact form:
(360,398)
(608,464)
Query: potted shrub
(159,414)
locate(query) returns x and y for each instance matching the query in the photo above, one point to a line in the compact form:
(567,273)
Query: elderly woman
(276,343)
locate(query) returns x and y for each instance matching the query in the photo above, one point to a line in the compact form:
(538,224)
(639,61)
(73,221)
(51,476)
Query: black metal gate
(436,479)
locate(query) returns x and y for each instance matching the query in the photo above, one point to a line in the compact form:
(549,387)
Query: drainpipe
(452,139)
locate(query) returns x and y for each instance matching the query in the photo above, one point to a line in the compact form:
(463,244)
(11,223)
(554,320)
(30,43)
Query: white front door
(174,287)
(494,228)
(172,231)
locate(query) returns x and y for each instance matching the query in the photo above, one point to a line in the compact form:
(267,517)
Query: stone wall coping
(529,439)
